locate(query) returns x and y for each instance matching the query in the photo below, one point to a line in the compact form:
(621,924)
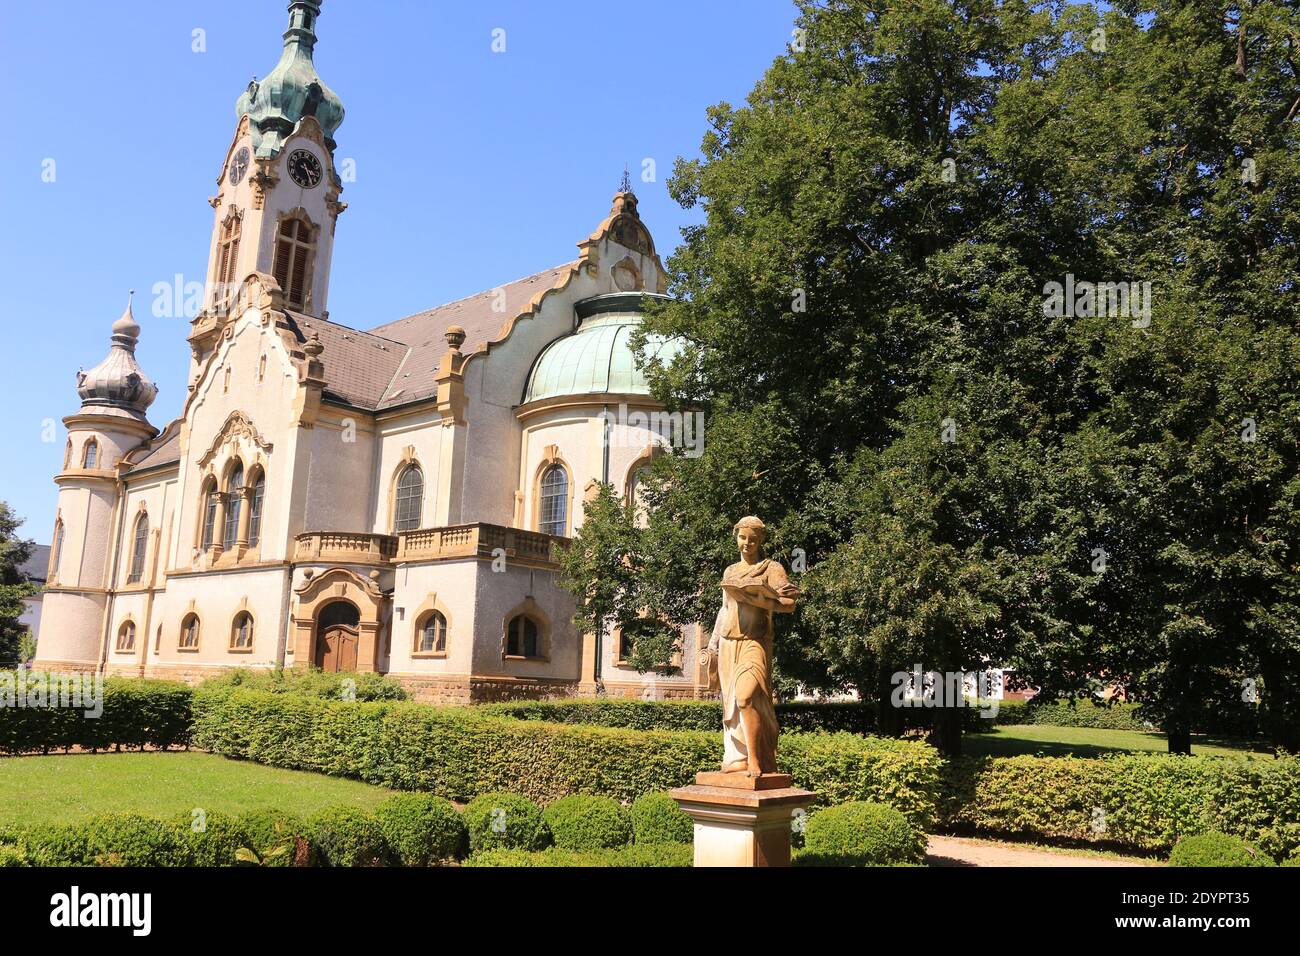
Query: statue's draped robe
(742,637)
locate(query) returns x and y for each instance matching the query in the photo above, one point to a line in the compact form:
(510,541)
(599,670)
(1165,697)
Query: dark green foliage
(862,833)
(667,854)
(806,717)
(505,821)
(581,822)
(1216,849)
(14,587)
(422,829)
(11,856)
(136,714)
(347,836)
(355,685)
(56,844)
(656,818)
(275,839)
(214,839)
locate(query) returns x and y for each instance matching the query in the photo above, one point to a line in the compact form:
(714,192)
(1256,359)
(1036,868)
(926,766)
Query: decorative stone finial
(126,331)
(455,336)
(314,348)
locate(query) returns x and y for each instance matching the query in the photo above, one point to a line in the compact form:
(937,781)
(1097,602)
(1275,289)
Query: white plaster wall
(454,585)
(335,480)
(217,597)
(496,594)
(422,431)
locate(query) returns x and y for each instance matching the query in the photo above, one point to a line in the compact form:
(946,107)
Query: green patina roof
(597,358)
(292,90)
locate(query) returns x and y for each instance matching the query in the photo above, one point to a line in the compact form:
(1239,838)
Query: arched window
(56,551)
(67,454)
(190,633)
(431,636)
(521,637)
(230,230)
(255,510)
(241,632)
(410,499)
(139,545)
(293,248)
(553,512)
(90,454)
(126,636)
(234,501)
(209,514)
(261,369)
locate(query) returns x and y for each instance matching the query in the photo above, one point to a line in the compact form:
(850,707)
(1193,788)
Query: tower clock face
(304,168)
(238,166)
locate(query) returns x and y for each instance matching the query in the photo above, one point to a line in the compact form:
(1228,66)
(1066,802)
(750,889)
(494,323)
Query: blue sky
(472,167)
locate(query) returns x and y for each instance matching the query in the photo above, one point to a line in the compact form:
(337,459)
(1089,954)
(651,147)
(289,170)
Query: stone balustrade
(429,544)
(344,547)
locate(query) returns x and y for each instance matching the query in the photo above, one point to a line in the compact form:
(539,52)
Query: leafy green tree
(14,586)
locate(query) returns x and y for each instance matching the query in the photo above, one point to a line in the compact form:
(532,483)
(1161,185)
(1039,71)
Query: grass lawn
(66,788)
(1050,741)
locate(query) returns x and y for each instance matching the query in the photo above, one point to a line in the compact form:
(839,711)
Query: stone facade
(387,500)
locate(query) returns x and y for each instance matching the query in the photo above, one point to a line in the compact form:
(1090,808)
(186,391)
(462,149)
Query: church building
(387,500)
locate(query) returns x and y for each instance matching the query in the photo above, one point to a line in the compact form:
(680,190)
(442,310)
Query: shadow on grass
(1000,745)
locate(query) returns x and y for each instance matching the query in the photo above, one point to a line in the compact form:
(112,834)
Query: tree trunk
(889,719)
(1180,736)
(946,736)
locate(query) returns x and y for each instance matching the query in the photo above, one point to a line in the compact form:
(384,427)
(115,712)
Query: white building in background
(385,500)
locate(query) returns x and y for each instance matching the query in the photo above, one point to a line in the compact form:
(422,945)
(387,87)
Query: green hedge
(1084,713)
(362,686)
(1139,801)
(656,818)
(861,833)
(460,753)
(855,717)
(137,713)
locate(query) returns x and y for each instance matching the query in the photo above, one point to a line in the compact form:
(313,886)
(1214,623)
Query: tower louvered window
(293,248)
(227,265)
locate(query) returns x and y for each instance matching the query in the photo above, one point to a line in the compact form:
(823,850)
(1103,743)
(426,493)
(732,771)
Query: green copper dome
(597,358)
(292,90)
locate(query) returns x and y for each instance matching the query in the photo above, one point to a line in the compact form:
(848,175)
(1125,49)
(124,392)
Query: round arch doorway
(337,633)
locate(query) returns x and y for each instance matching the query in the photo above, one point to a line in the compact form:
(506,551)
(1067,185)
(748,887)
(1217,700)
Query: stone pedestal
(740,820)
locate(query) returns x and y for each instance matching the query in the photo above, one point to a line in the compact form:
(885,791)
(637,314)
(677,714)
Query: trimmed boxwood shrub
(217,839)
(11,856)
(347,836)
(129,839)
(581,822)
(1216,849)
(505,820)
(861,833)
(274,838)
(656,818)
(460,753)
(658,855)
(421,829)
(55,844)
(137,713)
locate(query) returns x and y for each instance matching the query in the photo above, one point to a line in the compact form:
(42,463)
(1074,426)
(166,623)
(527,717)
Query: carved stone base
(740,781)
(739,826)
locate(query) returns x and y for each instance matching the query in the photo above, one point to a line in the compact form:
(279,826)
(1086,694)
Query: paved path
(962,851)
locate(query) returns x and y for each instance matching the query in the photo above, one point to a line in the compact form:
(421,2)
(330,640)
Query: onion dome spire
(117,385)
(292,90)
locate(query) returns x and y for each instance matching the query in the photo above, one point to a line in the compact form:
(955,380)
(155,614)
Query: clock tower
(277,199)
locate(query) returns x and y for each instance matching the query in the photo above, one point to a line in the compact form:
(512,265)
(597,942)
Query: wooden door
(336,649)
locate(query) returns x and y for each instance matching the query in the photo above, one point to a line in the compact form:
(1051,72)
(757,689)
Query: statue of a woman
(753,589)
